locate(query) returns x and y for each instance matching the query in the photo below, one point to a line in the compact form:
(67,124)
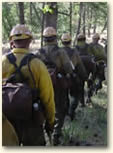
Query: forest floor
(89,127)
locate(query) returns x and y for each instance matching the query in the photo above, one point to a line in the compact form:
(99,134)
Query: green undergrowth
(89,128)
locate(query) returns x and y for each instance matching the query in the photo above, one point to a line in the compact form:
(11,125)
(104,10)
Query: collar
(20,50)
(50,43)
(81,43)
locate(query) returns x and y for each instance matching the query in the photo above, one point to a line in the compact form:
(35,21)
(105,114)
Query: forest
(72,17)
(90,126)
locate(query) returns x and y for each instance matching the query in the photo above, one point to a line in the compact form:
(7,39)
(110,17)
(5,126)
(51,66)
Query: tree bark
(84,20)
(95,22)
(70,18)
(105,26)
(89,13)
(36,12)
(21,12)
(30,6)
(50,19)
(94,28)
(42,27)
(79,21)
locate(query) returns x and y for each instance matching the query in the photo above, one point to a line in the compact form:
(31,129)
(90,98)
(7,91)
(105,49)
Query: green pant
(30,133)
(62,102)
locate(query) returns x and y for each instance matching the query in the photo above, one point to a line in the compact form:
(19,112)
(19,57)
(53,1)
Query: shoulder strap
(25,60)
(69,51)
(55,48)
(12,59)
(42,51)
(86,46)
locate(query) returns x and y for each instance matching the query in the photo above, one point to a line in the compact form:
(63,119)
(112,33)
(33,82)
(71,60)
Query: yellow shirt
(9,136)
(41,76)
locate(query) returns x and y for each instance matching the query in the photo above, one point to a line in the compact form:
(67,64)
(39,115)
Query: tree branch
(63,13)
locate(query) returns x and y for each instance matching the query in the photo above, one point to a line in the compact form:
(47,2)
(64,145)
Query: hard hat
(20,31)
(66,37)
(96,36)
(49,32)
(81,36)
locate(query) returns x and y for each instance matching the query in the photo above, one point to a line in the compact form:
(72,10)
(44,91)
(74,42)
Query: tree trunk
(42,27)
(105,26)
(88,16)
(17,9)
(95,22)
(70,18)
(84,16)
(36,12)
(30,5)
(89,13)
(95,26)
(94,29)
(50,19)
(79,22)
(21,12)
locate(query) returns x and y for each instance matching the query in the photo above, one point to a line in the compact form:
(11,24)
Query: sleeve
(46,93)
(7,68)
(3,67)
(9,135)
(102,54)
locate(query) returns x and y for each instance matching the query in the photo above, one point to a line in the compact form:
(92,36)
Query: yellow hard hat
(20,31)
(96,36)
(66,37)
(49,32)
(81,36)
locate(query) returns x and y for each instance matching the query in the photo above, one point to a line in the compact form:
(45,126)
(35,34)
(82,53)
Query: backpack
(48,62)
(82,51)
(69,51)
(18,98)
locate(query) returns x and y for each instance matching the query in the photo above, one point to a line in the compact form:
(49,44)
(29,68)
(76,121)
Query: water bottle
(35,106)
(59,75)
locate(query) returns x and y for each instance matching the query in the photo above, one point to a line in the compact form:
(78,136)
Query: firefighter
(97,51)
(77,88)
(55,57)
(31,134)
(81,45)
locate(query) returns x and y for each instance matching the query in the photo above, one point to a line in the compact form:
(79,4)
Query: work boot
(56,140)
(72,115)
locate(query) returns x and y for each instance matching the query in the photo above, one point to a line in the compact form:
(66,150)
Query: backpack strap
(47,60)
(55,48)
(86,46)
(25,60)
(69,51)
(12,59)
(42,51)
